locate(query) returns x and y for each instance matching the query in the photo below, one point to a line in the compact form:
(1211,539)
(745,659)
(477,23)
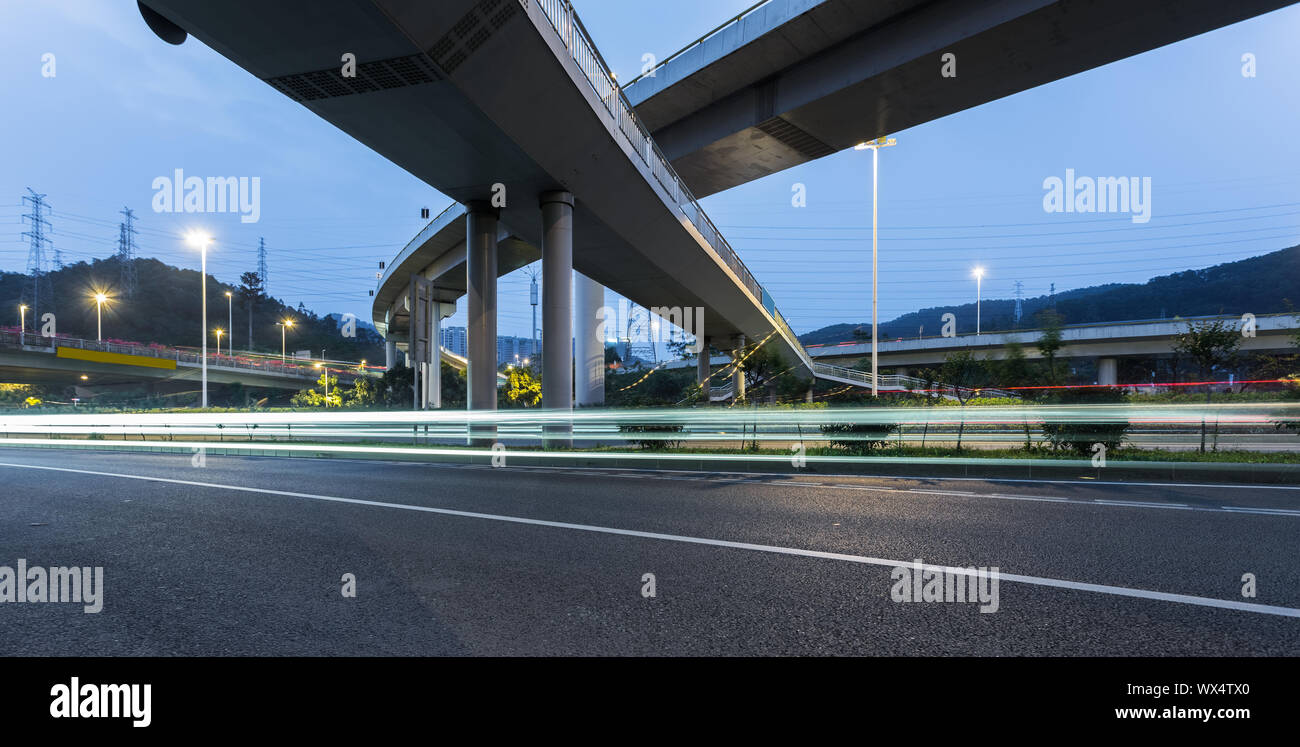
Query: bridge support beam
(481,313)
(390,354)
(588,347)
(738,369)
(557,311)
(1107,371)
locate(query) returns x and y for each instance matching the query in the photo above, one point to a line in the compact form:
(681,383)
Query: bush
(1080,437)
(858,438)
(653,444)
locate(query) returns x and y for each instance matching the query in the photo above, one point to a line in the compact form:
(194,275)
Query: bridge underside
(794,83)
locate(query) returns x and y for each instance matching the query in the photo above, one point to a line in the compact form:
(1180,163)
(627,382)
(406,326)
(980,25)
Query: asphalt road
(245,556)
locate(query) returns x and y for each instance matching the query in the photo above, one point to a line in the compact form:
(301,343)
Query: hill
(167,309)
(1261,285)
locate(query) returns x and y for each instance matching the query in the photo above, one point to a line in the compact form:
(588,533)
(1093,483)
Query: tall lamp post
(100,298)
(287,323)
(979,279)
(874,146)
(200,241)
(22,324)
(326,376)
(218,332)
(230,309)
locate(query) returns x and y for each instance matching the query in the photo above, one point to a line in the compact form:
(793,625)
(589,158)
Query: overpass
(1106,343)
(790,81)
(558,163)
(33,359)
(556,156)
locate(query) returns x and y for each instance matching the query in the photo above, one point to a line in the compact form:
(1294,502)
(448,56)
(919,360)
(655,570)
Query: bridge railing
(578,42)
(721,27)
(289,367)
(910,383)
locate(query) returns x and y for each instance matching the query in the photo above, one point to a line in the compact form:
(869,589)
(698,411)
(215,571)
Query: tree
(1211,344)
(1049,343)
(522,387)
(762,367)
(930,376)
(965,373)
(1014,369)
(313,398)
(250,292)
(1082,438)
(364,393)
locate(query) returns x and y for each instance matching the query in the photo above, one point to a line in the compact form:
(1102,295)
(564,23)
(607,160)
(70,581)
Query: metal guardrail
(719,393)
(291,367)
(910,383)
(721,27)
(582,49)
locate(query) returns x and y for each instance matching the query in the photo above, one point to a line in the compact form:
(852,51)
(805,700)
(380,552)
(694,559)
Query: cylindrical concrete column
(588,348)
(738,371)
(557,310)
(1107,371)
(481,306)
(435,355)
(702,367)
(390,353)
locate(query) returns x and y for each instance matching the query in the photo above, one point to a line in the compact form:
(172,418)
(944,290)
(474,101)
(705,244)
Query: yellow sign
(120,359)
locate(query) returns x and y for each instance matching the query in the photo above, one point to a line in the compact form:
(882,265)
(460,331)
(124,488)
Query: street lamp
(230,309)
(874,146)
(100,298)
(979,278)
(287,323)
(200,241)
(22,324)
(327,383)
(219,332)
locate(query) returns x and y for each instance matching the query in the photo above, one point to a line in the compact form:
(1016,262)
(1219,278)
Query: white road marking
(1123,591)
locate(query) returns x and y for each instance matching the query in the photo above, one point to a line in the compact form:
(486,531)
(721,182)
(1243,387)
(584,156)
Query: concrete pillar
(703,367)
(557,309)
(808,396)
(435,355)
(481,312)
(390,353)
(588,348)
(1107,371)
(738,371)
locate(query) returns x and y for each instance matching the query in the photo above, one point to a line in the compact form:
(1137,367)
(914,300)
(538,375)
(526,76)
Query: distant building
(514,349)
(509,349)
(455,340)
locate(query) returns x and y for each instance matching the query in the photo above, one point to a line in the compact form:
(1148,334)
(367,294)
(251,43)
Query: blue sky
(1220,149)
